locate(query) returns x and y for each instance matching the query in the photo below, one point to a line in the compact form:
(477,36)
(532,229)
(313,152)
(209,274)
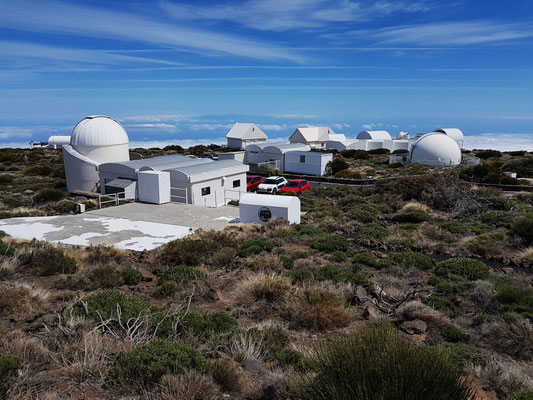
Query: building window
(206,191)
(237,183)
(302,159)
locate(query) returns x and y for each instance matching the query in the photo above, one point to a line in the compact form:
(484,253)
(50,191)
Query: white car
(272,185)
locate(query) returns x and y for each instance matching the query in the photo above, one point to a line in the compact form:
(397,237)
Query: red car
(252,182)
(296,185)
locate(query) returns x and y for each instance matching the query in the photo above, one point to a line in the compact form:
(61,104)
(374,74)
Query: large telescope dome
(435,150)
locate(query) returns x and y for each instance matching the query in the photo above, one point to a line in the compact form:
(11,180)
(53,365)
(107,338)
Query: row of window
(207,190)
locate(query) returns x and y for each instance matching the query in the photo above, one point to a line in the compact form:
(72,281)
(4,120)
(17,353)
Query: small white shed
(307,162)
(261,208)
(154,186)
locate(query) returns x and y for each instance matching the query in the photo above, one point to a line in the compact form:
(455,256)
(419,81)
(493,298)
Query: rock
(414,327)
(508,270)
(516,262)
(372,312)
(361,294)
(418,338)
(28,192)
(252,366)
(213,295)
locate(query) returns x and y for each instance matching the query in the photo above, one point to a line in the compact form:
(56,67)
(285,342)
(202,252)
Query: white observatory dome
(101,139)
(436,150)
(454,133)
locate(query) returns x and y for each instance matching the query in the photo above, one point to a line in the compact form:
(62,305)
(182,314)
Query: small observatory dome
(454,133)
(101,139)
(435,150)
(374,135)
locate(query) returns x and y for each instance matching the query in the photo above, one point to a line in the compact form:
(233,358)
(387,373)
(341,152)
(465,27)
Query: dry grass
(415,206)
(246,346)
(527,254)
(418,310)
(508,376)
(191,385)
(101,254)
(512,338)
(21,298)
(262,287)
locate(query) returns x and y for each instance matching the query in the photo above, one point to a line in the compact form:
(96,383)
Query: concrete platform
(174,214)
(132,226)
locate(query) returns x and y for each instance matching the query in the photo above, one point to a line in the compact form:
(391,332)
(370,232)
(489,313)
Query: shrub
(182,274)
(365,259)
(5,178)
(513,338)
(484,154)
(379,364)
(300,275)
(528,395)
(106,277)
(320,309)
(47,194)
(355,154)
(484,245)
(336,274)
(464,267)
(101,254)
(516,298)
(395,165)
(9,365)
(48,260)
(6,249)
(131,276)
(373,231)
(288,357)
(167,289)
(348,173)
(338,164)
(415,216)
(225,374)
(522,227)
(442,304)
(42,170)
(452,334)
(330,243)
(185,251)
(379,151)
(105,304)
(204,327)
(339,256)
(251,247)
(411,259)
(147,363)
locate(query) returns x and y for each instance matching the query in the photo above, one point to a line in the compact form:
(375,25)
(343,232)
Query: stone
(28,192)
(414,327)
(372,312)
(252,366)
(361,294)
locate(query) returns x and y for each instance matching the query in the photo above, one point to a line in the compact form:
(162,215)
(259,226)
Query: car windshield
(270,181)
(249,179)
(292,184)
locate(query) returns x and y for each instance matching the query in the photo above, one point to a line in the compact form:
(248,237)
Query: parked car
(296,186)
(272,185)
(252,182)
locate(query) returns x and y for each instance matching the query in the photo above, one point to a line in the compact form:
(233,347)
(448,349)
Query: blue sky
(184,72)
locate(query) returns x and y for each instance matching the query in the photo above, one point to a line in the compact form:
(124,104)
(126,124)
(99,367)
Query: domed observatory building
(94,140)
(435,150)
(454,133)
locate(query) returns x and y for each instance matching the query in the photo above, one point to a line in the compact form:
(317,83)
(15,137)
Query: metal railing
(114,198)
(176,198)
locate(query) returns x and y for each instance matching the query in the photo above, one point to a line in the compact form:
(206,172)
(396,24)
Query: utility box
(154,187)
(80,208)
(261,208)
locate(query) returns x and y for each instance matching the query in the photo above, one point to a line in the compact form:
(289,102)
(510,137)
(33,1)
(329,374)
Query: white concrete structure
(315,136)
(233,155)
(272,152)
(261,208)
(454,133)
(154,187)
(307,162)
(435,150)
(241,135)
(56,142)
(374,135)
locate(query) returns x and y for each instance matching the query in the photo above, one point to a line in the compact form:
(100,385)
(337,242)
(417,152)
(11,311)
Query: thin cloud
(60,17)
(500,141)
(283,15)
(448,33)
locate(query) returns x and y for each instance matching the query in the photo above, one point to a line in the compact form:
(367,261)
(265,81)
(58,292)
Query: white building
(455,134)
(308,162)
(315,136)
(261,208)
(436,150)
(374,135)
(242,135)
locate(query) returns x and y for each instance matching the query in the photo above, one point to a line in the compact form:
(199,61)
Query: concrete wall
(242,143)
(314,163)
(80,174)
(237,156)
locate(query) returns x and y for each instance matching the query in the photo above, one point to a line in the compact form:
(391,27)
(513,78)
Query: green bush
(484,154)
(373,231)
(145,364)
(336,274)
(442,304)
(452,334)
(411,259)
(515,298)
(6,249)
(348,174)
(338,164)
(287,262)
(9,365)
(365,259)
(464,267)
(42,170)
(105,277)
(256,246)
(48,194)
(300,275)
(167,289)
(274,339)
(206,326)
(182,275)
(379,364)
(225,374)
(355,154)
(48,260)
(379,151)
(528,395)
(339,256)
(522,227)
(131,276)
(413,217)
(328,243)
(288,357)
(6,178)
